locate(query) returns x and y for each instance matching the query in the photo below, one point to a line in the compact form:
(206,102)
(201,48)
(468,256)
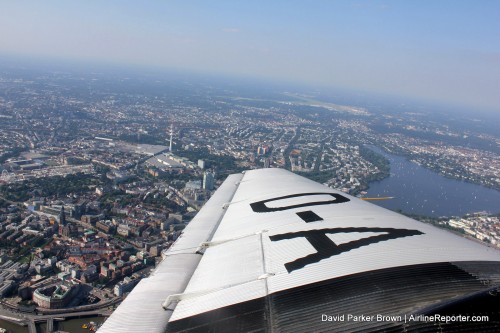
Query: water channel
(417,190)
(73,325)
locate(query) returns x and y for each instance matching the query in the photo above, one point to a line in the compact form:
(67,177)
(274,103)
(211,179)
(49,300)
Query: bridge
(32,320)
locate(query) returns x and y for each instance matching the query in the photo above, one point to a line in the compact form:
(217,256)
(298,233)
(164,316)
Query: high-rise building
(208,181)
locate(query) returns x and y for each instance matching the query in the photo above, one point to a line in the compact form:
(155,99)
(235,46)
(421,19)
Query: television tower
(171,136)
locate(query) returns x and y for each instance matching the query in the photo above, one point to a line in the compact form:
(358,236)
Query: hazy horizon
(446,52)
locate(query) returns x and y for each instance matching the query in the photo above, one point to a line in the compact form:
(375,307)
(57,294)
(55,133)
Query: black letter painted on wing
(260,206)
(326,248)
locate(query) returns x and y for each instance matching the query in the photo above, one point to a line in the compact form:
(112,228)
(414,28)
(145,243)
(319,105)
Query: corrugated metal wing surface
(286,249)
(142,310)
(352,237)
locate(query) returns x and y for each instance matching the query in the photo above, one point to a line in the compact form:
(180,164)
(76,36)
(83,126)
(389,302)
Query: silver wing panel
(266,247)
(282,232)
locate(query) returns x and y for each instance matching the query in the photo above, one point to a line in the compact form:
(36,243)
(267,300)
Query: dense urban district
(101,172)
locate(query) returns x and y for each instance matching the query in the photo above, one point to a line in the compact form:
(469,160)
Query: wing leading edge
(280,251)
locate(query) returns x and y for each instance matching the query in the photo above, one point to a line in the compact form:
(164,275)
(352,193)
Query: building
(193,185)
(123,230)
(208,181)
(89,277)
(262,150)
(127,284)
(72,210)
(106,226)
(165,162)
(155,250)
(91,219)
(168,162)
(24,291)
(201,164)
(119,176)
(175,218)
(43,268)
(6,287)
(55,296)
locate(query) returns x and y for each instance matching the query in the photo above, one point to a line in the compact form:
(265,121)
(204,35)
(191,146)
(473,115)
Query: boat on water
(91,326)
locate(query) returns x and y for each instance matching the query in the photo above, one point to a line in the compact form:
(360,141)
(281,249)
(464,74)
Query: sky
(447,51)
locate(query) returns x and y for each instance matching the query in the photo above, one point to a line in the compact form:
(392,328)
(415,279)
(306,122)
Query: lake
(418,190)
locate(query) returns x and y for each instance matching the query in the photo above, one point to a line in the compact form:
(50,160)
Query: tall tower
(171,136)
(62,216)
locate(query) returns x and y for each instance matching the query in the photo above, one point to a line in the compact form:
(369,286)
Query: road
(31,320)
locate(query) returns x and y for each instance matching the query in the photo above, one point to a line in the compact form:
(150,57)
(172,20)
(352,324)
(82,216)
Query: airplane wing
(272,251)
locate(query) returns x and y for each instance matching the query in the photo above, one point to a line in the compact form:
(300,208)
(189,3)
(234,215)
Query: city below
(102,171)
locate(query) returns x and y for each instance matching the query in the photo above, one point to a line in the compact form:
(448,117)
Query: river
(417,190)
